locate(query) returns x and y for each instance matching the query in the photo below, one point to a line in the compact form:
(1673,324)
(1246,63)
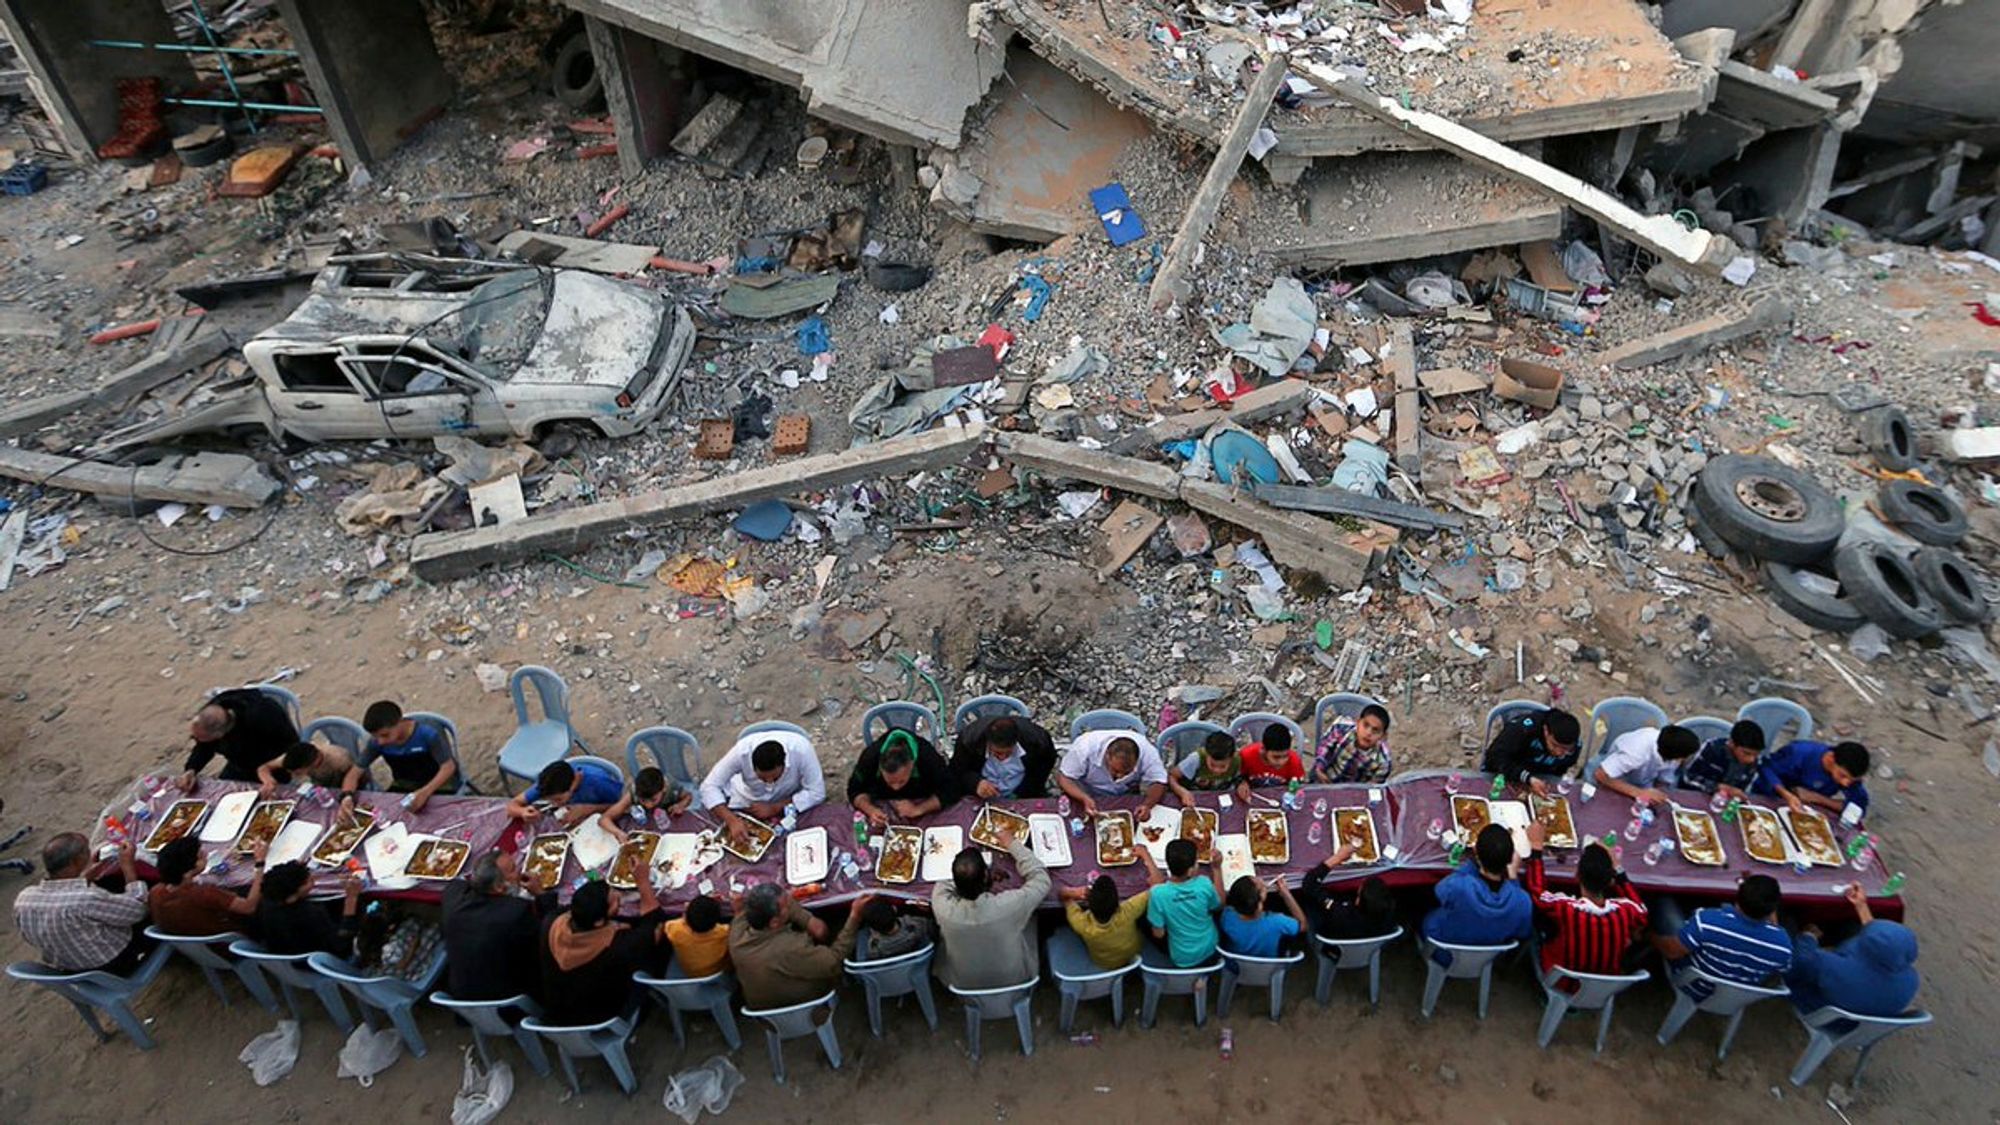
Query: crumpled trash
(814,336)
(396,492)
(1868,643)
(1433,290)
(1520,437)
(647,566)
(1584,267)
(273,1054)
(752,416)
(1363,468)
(368,1052)
(709,1086)
(473,463)
(1509,575)
(1281,326)
(482,1094)
(1082,362)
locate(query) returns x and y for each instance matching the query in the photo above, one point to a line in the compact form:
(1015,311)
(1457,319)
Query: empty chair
(605,764)
(1331,707)
(1255,972)
(393,996)
(286,697)
(1726,998)
(1337,955)
(292,973)
(1831,1029)
(534,744)
(986,707)
(814,1017)
(1618,715)
(488,1017)
(207,955)
(1106,718)
(677,992)
(461,780)
(1078,978)
(884,717)
(598,1040)
(344,733)
(89,991)
(1705,727)
(1184,738)
(1465,963)
(1506,712)
(1776,715)
(676,752)
(1161,978)
(1594,992)
(982,1004)
(907,974)
(1251,725)
(767,726)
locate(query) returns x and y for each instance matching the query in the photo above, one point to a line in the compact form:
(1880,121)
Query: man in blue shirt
(578,790)
(1740,943)
(1251,930)
(1813,773)
(1727,765)
(419,756)
(1873,973)
(1480,903)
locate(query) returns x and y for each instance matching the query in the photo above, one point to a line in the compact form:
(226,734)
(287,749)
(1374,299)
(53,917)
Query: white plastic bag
(272,1055)
(709,1086)
(368,1053)
(482,1094)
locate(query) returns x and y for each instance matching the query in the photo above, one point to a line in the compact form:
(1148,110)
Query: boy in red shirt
(1593,930)
(1272,761)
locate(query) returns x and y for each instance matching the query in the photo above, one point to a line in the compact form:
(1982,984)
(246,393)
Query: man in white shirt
(764,774)
(1640,761)
(1112,763)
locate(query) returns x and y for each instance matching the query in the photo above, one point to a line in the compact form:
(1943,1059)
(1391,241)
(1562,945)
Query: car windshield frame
(501,321)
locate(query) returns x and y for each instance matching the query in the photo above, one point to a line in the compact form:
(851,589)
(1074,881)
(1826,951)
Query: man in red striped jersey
(1593,930)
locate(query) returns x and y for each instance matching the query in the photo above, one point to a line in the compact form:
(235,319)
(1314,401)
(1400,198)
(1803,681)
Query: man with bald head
(77,925)
(243,725)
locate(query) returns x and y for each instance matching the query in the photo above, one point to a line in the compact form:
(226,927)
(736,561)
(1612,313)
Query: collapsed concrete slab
(1397,206)
(1752,95)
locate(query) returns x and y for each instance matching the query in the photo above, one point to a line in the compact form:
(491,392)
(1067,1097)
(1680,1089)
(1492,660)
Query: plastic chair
(1831,1029)
(906,974)
(1354,954)
(1594,993)
(292,974)
(1705,727)
(485,1018)
(344,733)
(899,714)
(769,726)
(1621,714)
(1184,738)
(678,992)
(1078,978)
(450,729)
(1239,970)
(676,752)
(1727,998)
(985,707)
(1774,714)
(1250,725)
(1507,712)
(982,1004)
(393,996)
(605,764)
(1161,978)
(598,1040)
(286,697)
(1106,718)
(211,962)
(1340,703)
(89,991)
(533,745)
(797,1022)
(1467,962)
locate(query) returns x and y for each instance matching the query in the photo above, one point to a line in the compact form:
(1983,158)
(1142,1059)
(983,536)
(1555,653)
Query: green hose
(589,573)
(910,669)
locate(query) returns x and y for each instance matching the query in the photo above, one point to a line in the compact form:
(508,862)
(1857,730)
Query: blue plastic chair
(770,726)
(797,1022)
(1006,1002)
(1725,998)
(1467,962)
(1616,716)
(487,1017)
(881,718)
(598,1040)
(462,779)
(676,752)
(1078,978)
(1775,714)
(211,962)
(1106,718)
(987,706)
(906,974)
(292,974)
(1337,705)
(1160,978)
(1595,992)
(344,733)
(533,745)
(605,764)
(89,991)
(1705,727)
(393,996)
(1250,725)
(1268,973)
(677,992)
(286,697)
(1831,1029)
(1184,738)
(1336,955)
(1507,712)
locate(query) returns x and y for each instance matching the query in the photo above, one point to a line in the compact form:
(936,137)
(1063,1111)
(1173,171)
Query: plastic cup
(1435,829)
(1452,783)
(1633,827)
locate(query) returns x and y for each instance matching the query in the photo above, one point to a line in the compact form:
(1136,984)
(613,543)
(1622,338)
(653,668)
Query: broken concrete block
(715,115)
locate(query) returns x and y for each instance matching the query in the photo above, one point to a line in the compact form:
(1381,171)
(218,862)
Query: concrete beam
(1752,95)
(1708,332)
(229,479)
(640,91)
(78,83)
(374,69)
(1398,206)
(1168,284)
(205,345)
(1271,400)
(1063,461)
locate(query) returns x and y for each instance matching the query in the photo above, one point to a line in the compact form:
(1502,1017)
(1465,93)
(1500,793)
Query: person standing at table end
(1480,903)
(578,790)
(1181,912)
(1215,768)
(185,908)
(776,947)
(1002,758)
(1110,928)
(900,773)
(989,936)
(1270,761)
(1739,943)
(491,930)
(1873,973)
(76,925)
(1805,773)
(1112,763)
(1726,765)
(1640,761)
(289,922)
(245,727)
(1534,747)
(1594,930)
(419,756)
(764,774)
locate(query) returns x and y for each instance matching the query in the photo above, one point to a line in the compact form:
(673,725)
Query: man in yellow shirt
(1109,928)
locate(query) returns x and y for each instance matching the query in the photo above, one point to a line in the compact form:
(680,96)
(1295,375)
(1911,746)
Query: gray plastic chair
(1467,963)
(1184,738)
(1775,714)
(769,726)
(1267,973)
(899,714)
(486,1017)
(1340,703)
(462,779)
(534,744)
(1352,954)
(393,996)
(1705,727)
(1727,998)
(797,1022)
(1594,993)
(1506,712)
(595,1041)
(605,764)
(1621,714)
(677,992)
(344,733)
(89,991)
(1106,718)
(1078,978)
(209,959)
(906,974)
(1831,1029)
(1250,725)
(676,752)
(288,698)
(1007,1001)
(292,974)
(1160,978)
(987,706)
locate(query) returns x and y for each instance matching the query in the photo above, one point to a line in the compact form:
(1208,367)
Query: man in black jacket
(1005,756)
(1539,745)
(588,959)
(900,773)
(289,922)
(246,727)
(490,931)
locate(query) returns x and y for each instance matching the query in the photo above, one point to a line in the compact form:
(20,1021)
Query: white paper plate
(1049,837)
(941,846)
(591,846)
(1232,853)
(387,850)
(1169,822)
(294,841)
(806,859)
(225,820)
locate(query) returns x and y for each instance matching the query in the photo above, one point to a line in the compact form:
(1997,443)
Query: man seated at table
(1270,762)
(650,792)
(1180,912)
(316,762)
(1112,763)
(1003,757)
(988,936)
(700,940)
(893,932)
(1215,768)
(576,790)
(1355,750)
(900,774)
(419,754)
(1480,903)
(1873,973)
(1369,912)
(588,956)
(243,725)
(289,922)
(764,774)
(1726,765)
(781,952)
(1590,932)
(1740,943)
(1110,928)
(1643,760)
(1805,773)
(491,928)
(185,908)
(1248,928)
(77,925)
(1534,747)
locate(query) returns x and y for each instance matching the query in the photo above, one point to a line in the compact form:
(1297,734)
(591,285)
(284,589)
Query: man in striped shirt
(1741,943)
(1593,930)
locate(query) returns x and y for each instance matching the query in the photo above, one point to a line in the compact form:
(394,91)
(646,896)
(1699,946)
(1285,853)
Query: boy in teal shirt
(1181,911)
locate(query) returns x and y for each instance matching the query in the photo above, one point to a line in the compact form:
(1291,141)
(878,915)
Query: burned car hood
(598,332)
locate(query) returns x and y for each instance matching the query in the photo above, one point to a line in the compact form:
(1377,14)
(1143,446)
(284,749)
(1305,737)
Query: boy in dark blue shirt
(419,755)
(1813,773)
(1727,765)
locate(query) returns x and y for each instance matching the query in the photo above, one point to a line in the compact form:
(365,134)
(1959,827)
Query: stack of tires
(1792,527)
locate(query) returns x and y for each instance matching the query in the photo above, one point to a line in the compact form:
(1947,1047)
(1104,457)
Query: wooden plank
(1401,361)
(1699,336)
(208,343)
(1062,460)
(1339,502)
(1168,284)
(445,555)
(229,479)
(1268,401)
(1127,529)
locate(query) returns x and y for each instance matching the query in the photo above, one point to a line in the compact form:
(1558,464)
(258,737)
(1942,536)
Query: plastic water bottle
(1653,852)
(1313,835)
(1732,810)
(1062,806)
(1228,1044)
(860,831)
(1633,828)
(1894,884)
(1084,1039)
(1499,787)
(1611,840)
(1857,845)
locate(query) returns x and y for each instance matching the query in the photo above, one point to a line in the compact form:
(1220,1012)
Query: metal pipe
(135,45)
(222,60)
(267,107)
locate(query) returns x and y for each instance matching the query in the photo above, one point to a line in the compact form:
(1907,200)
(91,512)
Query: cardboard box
(1525,381)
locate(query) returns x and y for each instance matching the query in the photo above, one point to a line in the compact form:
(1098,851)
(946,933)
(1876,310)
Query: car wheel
(1955,585)
(1884,586)
(1921,512)
(1886,431)
(1802,592)
(1768,509)
(575,78)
